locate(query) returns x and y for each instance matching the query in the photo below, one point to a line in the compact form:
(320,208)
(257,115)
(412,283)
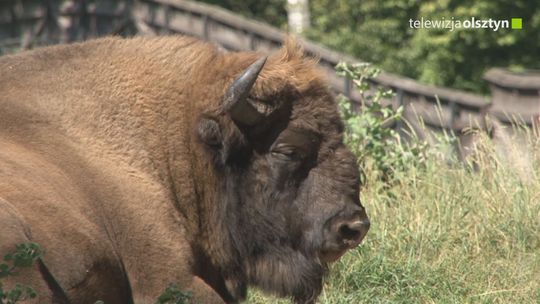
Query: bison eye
(282,154)
(286,153)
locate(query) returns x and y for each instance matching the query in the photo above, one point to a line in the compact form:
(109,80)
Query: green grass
(449,234)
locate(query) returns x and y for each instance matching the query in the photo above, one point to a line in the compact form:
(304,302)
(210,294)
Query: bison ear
(210,132)
(236,101)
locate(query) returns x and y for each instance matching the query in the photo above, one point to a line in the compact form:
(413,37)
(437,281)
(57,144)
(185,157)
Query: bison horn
(236,102)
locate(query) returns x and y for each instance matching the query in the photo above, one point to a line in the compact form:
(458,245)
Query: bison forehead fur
(121,158)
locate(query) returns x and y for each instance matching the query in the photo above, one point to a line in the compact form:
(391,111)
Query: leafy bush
(368,134)
(173,295)
(24,256)
(380,32)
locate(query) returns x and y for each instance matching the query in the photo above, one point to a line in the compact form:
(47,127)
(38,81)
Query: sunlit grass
(449,234)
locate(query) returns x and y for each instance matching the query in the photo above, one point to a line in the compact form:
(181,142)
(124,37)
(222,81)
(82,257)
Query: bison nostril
(348,232)
(353,231)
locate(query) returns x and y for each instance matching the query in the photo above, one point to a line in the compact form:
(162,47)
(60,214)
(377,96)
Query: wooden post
(167,14)
(454,113)
(206,33)
(251,41)
(399,123)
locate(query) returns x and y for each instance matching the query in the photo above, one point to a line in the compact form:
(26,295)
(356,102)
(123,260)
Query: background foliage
(378,32)
(369,135)
(270,11)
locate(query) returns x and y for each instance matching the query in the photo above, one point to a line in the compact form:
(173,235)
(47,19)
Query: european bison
(140,162)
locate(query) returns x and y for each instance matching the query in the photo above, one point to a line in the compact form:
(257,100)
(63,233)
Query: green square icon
(516,23)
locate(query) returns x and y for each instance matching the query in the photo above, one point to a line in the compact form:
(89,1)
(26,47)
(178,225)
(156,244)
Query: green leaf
(173,295)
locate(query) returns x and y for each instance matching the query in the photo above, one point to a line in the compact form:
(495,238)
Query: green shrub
(378,147)
(173,295)
(380,32)
(24,256)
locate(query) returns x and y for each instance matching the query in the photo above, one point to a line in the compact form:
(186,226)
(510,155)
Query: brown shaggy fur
(101,163)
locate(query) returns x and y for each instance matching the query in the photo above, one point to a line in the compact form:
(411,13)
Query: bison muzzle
(141,162)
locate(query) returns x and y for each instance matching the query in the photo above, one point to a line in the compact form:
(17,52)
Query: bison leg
(13,232)
(202,293)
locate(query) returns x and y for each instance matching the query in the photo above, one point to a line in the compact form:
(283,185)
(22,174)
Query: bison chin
(288,274)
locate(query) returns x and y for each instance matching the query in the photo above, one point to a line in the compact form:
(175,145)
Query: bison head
(288,191)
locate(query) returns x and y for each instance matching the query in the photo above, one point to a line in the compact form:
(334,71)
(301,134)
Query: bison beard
(280,270)
(270,252)
(287,272)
